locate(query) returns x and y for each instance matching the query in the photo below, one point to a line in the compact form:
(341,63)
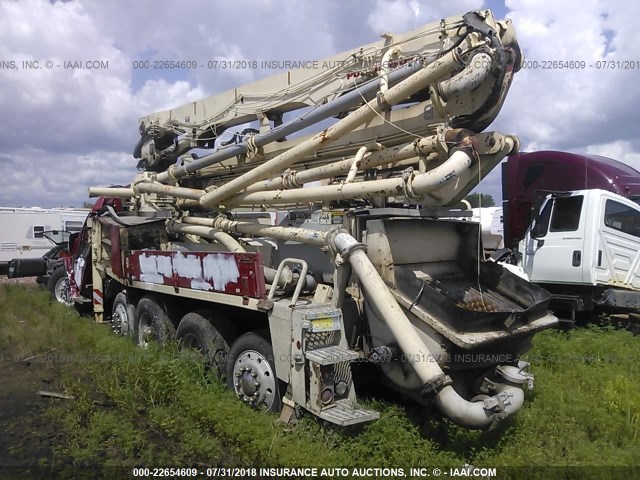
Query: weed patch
(155,406)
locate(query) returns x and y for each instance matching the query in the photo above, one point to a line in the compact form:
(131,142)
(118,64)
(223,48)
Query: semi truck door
(555,254)
(618,246)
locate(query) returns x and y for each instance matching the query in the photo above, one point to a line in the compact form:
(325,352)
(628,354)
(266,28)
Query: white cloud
(65,127)
(201,30)
(581,110)
(64,130)
(415,6)
(620,150)
(398,15)
(60,179)
(70,110)
(549,106)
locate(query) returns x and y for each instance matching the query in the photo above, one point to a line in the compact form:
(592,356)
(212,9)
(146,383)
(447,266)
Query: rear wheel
(153,324)
(58,286)
(196,333)
(251,372)
(123,316)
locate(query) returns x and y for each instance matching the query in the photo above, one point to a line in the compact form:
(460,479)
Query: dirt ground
(28,436)
(27,281)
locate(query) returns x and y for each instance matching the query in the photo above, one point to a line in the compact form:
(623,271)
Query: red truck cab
(526,175)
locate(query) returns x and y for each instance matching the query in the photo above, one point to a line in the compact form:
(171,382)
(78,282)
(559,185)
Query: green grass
(157,407)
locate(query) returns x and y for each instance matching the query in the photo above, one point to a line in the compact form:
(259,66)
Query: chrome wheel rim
(254,380)
(120,320)
(62,291)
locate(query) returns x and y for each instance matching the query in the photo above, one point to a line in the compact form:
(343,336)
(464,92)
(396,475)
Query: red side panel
(231,273)
(116,258)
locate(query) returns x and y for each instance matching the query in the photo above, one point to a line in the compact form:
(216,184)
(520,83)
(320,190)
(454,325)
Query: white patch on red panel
(221,269)
(188,266)
(78,271)
(149,269)
(213,271)
(164,265)
(200,285)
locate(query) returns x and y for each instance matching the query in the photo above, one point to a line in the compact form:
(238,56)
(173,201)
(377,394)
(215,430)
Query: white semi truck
(573,222)
(361,268)
(584,247)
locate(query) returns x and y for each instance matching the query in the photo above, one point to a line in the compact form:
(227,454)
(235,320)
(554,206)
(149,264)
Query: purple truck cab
(526,175)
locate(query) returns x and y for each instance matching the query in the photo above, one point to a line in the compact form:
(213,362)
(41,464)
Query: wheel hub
(120,320)
(62,292)
(255,381)
(248,382)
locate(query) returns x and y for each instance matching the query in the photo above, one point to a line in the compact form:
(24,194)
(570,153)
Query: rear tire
(195,332)
(123,316)
(58,286)
(251,372)
(152,324)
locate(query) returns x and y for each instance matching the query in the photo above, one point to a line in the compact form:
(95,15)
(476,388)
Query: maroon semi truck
(527,176)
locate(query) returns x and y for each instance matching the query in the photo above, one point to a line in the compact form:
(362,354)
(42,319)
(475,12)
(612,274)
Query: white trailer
(22,230)
(491,226)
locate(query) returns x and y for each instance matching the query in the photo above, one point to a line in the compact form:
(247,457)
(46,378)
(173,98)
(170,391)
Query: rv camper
(26,232)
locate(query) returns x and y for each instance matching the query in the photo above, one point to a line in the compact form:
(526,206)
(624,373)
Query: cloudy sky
(62,130)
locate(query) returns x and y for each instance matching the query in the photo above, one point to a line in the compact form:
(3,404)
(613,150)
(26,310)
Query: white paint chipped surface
(78,271)
(200,285)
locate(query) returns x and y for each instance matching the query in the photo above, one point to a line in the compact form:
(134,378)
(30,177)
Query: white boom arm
(407,101)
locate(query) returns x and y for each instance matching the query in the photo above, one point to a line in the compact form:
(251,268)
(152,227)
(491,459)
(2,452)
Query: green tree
(480,199)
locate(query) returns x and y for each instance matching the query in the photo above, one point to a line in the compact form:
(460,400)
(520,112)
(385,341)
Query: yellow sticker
(321,324)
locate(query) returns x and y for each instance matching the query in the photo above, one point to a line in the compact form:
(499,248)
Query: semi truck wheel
(195,332)
(58,286)
(251,372)
(153,324)
(123,316)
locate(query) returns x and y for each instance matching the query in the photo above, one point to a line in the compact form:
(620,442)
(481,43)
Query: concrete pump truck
(297,248)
